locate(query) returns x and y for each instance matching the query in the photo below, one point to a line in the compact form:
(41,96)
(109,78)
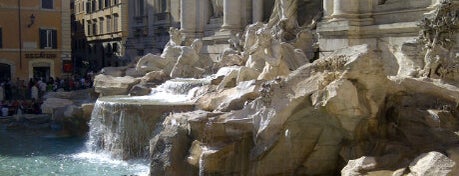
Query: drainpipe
(20,34)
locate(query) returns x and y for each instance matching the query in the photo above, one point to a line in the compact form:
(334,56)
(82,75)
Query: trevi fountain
(308,87)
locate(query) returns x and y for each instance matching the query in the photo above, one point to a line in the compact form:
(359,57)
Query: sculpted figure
(437,35)
(271,50)
(284,19)
(176,60)
(165,61)
(232,56)
(185,64)
(217,8)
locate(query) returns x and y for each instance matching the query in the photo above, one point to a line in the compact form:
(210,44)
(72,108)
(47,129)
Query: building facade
(34,38)
(390,27)
(149,22)
(100,33)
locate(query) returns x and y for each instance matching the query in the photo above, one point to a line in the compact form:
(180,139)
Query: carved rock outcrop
(108,85)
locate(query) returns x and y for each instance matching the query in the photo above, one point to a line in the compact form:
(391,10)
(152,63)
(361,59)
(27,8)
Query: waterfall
(121,129)
(123,125)
(176,90)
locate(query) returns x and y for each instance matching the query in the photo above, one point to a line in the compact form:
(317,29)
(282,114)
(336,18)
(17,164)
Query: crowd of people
(17,97)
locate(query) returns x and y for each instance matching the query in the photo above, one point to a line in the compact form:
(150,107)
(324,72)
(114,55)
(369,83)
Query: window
(101,25)
(89,28)
(94,27)
(100,5)
(107,3)
(47,4)
(115,23)
(115,48)
(1,38)
(109,24)
(116,2)
(93,6)
(88,7)
(48,38)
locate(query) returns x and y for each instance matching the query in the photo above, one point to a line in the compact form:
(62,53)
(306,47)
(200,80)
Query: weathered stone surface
(305,118)
(230,99)
(78,96)
(354,167)
(114,71)
(155,77)
(73,111)
(132,72)
(169,148)
(432,163)
(139,90)
(52,103)
(176,60)
(453,154)
(87,110)
(108,85)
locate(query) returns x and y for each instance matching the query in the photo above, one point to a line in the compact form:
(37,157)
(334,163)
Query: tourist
(4,109)
(42,88)
(36,106)
(2,92)
(34,92)
(71,84)
(82,83)
(55,86)
(20,111)
(29,87)
(20,89)
(7,89)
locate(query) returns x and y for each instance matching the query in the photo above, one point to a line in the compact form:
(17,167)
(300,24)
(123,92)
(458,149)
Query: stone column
(231,14)
(328,8)
(188,16)
(257,11)
(194,15)
(345,8)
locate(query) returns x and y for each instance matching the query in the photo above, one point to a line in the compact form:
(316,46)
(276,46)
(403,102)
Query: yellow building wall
(44,18)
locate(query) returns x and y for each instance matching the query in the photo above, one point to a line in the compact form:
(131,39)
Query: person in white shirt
(34,92)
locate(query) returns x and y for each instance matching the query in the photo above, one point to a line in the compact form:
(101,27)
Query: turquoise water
(38,153)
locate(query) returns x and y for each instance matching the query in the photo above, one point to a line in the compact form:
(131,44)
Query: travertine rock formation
(334,110)
(176,60)
(385,107)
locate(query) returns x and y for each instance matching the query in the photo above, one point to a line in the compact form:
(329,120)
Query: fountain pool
(39,153)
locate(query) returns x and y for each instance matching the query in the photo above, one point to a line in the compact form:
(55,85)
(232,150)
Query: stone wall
(386,26)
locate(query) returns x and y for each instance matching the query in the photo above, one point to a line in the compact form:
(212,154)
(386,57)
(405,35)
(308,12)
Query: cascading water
(123,125)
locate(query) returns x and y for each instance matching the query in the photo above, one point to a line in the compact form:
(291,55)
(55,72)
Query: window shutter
(54,36)
(42,34)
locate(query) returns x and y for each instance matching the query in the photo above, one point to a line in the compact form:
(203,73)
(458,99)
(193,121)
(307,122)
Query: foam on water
(29,153)
(177,90)
(139,166)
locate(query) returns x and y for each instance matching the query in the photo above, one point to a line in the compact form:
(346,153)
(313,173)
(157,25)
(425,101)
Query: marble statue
(232,55)
(176,60)
(265,61)
(437,35)
(284,19)
(217,8)
(271,51)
